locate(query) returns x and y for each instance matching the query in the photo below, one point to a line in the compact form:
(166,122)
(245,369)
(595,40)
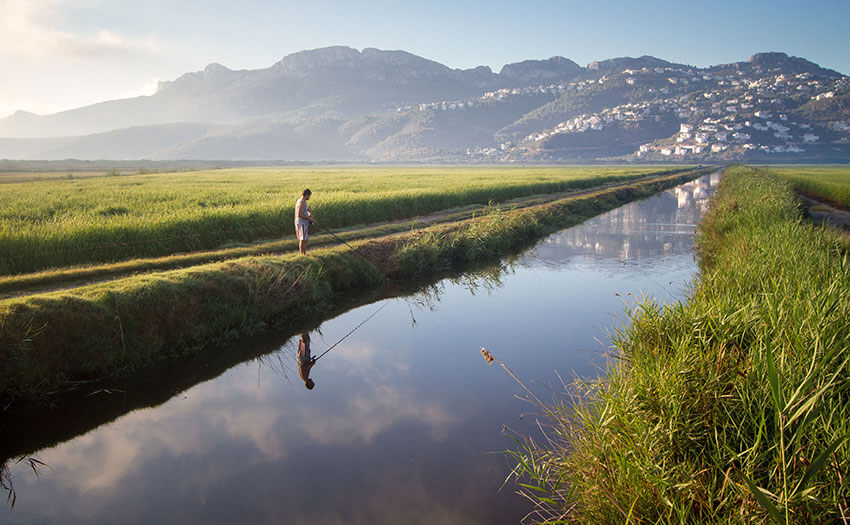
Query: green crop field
(73,221)
(831,183)
(10,177)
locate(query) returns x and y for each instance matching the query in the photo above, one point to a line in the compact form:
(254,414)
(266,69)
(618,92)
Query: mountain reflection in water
(404,416)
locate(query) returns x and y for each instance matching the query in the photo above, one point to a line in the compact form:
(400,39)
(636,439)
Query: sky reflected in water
(405,415)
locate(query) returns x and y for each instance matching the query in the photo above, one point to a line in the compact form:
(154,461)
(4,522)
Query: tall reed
(731,407)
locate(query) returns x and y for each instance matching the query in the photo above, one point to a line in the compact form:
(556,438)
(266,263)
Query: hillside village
(719,116)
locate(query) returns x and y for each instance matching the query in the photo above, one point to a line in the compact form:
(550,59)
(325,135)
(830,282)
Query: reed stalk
(733,406)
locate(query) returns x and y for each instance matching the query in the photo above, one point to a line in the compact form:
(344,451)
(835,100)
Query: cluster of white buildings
(717,111)
(717,135)
(501,95)
(713,135)
(632,112)
(480,153)
(714,118)
(744,117)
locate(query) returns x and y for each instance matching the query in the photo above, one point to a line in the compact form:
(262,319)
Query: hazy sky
(60,54)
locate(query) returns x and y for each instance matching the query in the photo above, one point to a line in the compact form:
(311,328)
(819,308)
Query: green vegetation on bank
(53,339)
(828,183)
(57,223)
(731,407)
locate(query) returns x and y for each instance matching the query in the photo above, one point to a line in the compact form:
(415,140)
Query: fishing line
(353,330)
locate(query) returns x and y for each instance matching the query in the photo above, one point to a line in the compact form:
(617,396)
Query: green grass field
(75,221)
(830,183)
(22,176)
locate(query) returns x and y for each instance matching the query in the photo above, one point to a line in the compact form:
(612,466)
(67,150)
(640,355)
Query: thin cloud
(28,30)
(109,43)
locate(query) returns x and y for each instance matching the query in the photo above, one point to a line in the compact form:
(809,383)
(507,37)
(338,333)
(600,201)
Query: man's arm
(302,208)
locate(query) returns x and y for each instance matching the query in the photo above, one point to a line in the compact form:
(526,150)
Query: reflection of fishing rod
(352,331)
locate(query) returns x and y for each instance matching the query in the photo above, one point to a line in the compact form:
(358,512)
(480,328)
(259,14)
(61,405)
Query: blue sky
(59,54)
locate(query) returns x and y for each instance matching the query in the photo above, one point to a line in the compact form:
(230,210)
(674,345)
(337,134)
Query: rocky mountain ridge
(341,104)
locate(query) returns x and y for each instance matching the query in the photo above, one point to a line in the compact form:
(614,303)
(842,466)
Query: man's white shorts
(301,230)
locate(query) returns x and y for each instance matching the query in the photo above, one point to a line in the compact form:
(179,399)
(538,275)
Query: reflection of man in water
(305,361)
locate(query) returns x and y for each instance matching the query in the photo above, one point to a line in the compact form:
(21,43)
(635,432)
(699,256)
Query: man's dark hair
(306,192)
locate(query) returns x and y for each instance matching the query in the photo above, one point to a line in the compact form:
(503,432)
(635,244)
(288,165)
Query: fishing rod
(352,331)
(345,243)
(335,236)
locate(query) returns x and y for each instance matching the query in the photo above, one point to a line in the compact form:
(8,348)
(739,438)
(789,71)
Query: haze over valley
(348,105)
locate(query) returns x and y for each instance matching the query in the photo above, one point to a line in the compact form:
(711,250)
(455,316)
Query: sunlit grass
(62,222)
(831,183)
(26,176)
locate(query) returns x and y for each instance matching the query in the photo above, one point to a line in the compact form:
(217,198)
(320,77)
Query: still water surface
(405,421)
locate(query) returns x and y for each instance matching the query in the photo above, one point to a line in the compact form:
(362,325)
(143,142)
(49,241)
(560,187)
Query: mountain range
(342,104)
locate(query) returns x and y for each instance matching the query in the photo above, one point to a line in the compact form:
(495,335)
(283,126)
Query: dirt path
(63,279)
(823,213)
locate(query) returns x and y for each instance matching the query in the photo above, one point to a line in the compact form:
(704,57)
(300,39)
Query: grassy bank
(57,338)
(58,223)
(732,407)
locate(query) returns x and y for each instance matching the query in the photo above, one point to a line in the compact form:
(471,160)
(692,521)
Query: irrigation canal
(404,423)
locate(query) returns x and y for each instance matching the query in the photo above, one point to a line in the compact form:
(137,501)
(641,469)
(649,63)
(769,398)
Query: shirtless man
(303,220)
